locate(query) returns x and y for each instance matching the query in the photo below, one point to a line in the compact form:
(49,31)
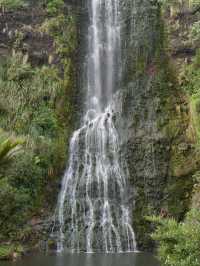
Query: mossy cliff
(155,121)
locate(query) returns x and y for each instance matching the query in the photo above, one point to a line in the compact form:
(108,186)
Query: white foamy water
(94,212)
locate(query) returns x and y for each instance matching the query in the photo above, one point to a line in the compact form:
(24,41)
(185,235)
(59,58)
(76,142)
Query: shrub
(27,90)
(13,209)
(179,243)
(7,251)
(191,76)
(12,4)
(63,31)
(54,6)
(195,31)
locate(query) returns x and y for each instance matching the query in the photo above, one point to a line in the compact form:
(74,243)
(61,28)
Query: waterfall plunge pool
(123,259)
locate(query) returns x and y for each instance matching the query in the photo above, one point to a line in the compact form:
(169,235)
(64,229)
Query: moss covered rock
(154,122)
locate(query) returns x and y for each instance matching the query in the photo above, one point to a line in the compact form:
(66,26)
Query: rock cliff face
(154,121)
(19,31)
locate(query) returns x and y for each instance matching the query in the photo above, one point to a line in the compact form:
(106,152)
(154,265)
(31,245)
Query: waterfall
(94,210)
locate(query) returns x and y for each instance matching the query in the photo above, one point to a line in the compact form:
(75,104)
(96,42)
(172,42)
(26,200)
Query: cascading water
(94,211)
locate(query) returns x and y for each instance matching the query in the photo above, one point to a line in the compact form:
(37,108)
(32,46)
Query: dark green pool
(128,259)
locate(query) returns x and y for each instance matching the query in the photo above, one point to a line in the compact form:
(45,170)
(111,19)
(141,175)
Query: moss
(173,121)
(179,192)
(141,65)
(195,103)
(141,226)
(162,173)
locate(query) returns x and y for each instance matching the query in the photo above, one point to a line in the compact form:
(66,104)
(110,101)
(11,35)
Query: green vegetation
(55,6)
(8,148)
(12,4)
(30,112)
(10,251)
(179,3)
(190,82)
(38,114)
(179,243)
(191,77)
(195,31)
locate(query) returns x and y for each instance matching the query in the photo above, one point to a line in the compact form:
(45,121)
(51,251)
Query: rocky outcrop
(19,31)
(179,21)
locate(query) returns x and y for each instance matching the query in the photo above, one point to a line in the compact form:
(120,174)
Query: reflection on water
(128,259)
